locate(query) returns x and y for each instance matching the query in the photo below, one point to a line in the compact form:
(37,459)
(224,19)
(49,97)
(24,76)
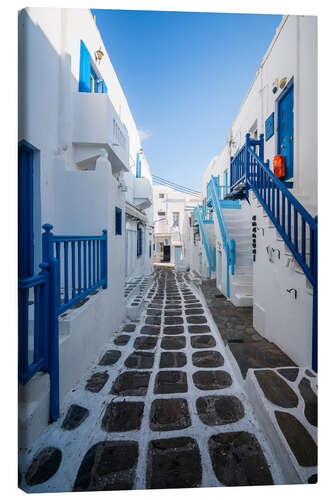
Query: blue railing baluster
(97,256)
(79,271)
(66,271)
(303,240)
(37,324)
(90,283)
(295,230)
(94,262)
(85,265)
(73,269)
(283,212)
(289,220)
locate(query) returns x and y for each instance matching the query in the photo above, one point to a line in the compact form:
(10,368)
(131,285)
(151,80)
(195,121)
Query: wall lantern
(98,55)
(275,85)
(283,82)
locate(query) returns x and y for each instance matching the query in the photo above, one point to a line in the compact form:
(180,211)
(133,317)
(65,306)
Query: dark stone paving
(289,373)
(109,358)
(169,415)
(172,360)
(122,339)
(140,360)
(174,463)
(196,320)
(123,416)
(211,380)
(175,320)
(129,328)
(97,381)
(203,341)
(173,330)
(310,400)
(150,330)
(301,443)
(199,329)
(172,313)
(207,359)
(75,416)
(276,389)
(249,348)
(153,320)
(172,343)
(194,311)
(43,466)
(154,312)
(144,343)
(168,382)
(108,465)
(238,460)
(219,410)
(174,307)
(131,384)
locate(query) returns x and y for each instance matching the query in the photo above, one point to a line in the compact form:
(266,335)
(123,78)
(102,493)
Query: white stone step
(242,300)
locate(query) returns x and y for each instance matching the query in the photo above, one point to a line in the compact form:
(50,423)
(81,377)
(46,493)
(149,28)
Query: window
(161,195)
(175,218)
(139,241)
(118,220)
(160,213)
(149,248)
(90,81)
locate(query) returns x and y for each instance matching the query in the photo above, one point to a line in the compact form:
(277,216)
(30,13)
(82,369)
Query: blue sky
(185,76)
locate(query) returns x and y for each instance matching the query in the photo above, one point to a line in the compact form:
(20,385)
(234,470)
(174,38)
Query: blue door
(286,130)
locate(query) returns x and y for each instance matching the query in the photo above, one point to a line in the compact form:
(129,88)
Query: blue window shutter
(104,88)
(85,68)
(118,220)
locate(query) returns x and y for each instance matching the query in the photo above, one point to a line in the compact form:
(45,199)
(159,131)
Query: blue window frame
(149,248)
(118,215)
(285,128)
(89,80)
(139,241)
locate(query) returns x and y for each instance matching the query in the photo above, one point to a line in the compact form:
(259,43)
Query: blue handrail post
(105,258)
(47,240)
(261,147)
(231,171)
(54,339)
(233,255)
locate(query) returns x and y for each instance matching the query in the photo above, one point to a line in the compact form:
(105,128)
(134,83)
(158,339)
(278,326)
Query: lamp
(98,55)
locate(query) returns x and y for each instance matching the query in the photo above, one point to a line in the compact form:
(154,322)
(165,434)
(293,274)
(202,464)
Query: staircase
(239,226)
(296,230)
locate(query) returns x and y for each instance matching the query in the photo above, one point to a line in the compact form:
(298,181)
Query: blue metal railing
(228,244)
(199,213)
(83,266)
(298,229)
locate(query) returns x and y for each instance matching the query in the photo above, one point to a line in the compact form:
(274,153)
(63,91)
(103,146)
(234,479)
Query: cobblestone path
(161,408)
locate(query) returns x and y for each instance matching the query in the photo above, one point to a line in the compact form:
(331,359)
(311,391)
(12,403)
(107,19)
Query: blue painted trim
(85,68)
(138,166)
(230,204)
(269,127)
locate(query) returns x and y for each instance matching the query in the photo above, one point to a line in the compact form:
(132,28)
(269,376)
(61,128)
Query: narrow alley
(161,408)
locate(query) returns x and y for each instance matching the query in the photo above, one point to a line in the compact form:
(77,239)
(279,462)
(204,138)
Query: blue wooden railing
(38,325)
(83,266)
(80,262)
(213,198)
(199,213)
(298,229)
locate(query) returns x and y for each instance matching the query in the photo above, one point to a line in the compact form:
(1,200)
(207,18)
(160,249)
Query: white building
(171,218)
(281,104)
(81,169)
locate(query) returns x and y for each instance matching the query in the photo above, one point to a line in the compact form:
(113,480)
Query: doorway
(166,253)
(285,136)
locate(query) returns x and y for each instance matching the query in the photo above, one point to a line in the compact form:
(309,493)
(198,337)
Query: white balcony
(97,125)
(143,193)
